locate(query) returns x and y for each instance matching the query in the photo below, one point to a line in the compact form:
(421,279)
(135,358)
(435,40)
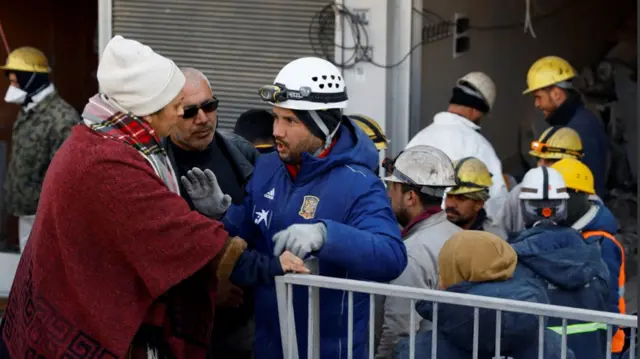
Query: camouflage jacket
(37,135)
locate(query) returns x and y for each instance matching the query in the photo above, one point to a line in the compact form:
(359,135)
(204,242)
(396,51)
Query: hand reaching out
(205,193)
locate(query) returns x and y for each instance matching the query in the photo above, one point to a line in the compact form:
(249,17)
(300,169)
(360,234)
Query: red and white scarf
(107,118)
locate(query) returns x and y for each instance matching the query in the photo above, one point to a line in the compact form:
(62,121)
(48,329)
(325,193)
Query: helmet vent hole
(315,78)
(333,77)
(330,85)
(337,85)
(324,77)
(321,86)
(339,78)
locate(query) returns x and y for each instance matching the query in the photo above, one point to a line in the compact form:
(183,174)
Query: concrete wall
(576,33)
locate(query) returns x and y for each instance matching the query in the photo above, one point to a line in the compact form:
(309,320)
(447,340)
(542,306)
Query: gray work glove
(300,239)
(205,193)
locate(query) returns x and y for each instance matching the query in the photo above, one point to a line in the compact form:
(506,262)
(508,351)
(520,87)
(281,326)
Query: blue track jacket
(363,239)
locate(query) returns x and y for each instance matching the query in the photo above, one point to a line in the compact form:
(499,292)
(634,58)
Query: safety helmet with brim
(577,176)
(27,59)
(472,176)
(424,167)
(372,129)
(549,71)
(557,142)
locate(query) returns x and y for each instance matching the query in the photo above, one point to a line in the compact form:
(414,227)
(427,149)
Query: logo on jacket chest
(262,216)
(309,206)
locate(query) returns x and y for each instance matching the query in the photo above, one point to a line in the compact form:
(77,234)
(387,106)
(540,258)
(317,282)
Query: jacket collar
(586,218)
(478,223)
(450,118)
(238,159)
(431,216)
(41,100)
(563,114)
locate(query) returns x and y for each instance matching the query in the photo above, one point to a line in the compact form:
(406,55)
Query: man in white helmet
(416,184)
(556,255)
(317,196)
(456,131)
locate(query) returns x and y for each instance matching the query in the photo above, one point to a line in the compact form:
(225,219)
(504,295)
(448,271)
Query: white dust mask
(15,95)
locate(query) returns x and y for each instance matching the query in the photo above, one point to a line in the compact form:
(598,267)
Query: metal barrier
(284,291)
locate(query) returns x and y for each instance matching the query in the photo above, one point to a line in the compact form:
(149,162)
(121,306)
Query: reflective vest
(617,342)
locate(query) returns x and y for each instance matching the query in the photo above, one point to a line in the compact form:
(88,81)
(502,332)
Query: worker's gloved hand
(300,239)
(205,193)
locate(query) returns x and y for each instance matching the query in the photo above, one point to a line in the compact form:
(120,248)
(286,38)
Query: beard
(403,217)
(457,218)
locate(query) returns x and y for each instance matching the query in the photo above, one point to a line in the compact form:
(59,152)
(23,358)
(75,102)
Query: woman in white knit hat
(117,266)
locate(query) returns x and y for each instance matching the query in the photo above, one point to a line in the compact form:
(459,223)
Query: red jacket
(110,248)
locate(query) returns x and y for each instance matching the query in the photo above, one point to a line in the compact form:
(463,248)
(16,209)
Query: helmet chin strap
(323,127)
(545,221)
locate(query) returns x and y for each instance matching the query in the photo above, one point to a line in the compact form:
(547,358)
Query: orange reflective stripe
(617,342)
(621,277)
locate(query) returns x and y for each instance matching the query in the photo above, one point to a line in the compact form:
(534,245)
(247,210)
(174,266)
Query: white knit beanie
(138,79)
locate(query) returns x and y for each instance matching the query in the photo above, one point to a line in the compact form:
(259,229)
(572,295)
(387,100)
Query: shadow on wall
(576,32)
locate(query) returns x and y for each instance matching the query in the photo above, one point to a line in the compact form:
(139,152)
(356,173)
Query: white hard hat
(543,183)
(482,83)
(308,83)
(423,166)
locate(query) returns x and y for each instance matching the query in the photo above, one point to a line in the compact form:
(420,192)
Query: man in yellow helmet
(464,204)
(596,223)
(554,144)
(44,122)
(549,81)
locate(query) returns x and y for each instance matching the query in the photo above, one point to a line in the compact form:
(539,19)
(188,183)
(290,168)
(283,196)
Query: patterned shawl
(105,117)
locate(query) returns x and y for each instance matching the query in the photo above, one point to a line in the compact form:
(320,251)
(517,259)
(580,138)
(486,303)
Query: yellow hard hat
(28,59)
(548,71)
(372,129)
(577,176)
(557,142)
(472,176)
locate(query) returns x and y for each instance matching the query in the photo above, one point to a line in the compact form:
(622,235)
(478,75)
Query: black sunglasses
(208,106)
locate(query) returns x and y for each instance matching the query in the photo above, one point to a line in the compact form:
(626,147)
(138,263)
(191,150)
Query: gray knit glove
(205,193)
(300,239)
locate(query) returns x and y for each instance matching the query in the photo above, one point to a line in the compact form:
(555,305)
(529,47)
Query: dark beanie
(469,97)
(331,118)
(255,125)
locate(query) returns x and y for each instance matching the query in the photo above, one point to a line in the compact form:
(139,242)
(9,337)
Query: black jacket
(233,327)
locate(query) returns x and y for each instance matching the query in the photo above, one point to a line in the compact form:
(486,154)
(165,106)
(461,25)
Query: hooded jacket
(575,276)
(519,332)
(599,219)
(363,239)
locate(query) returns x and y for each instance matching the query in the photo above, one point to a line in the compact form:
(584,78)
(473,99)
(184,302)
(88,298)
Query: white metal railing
(284,291)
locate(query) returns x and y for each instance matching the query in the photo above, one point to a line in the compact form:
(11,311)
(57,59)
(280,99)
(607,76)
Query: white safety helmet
(544,196)
(422,166)
(482,83)
(308,83)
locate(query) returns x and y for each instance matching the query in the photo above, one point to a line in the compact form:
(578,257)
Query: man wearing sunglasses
(194,142)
